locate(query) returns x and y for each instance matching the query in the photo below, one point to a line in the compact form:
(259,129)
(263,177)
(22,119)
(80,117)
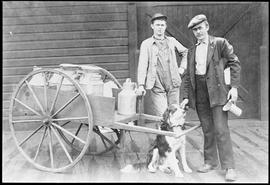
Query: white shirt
(201,57)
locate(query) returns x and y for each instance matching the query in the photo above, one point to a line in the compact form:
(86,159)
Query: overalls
(163,93)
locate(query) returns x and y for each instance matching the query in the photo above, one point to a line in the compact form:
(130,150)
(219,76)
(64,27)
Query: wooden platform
(250,145)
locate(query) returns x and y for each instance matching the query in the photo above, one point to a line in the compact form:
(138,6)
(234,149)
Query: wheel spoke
(56,95)
(29,108)
(41,141)
(30,135)
(23,121)
(61,143)
(50,148)
(69,133)
(101,135)
(77,131)
(35,97)
(66,119)
(64,106)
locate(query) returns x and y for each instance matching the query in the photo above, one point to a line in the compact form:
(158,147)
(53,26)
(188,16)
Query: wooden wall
(238,22)
(109,34)
(48,33)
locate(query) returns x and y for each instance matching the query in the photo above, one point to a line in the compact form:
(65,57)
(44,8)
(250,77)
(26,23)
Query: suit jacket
(148,61)
(220,55)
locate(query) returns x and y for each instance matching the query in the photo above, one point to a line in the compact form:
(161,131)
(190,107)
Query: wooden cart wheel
(50,109)
(105,139)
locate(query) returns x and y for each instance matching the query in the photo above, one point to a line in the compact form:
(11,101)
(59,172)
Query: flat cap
(196,20)
(158,16)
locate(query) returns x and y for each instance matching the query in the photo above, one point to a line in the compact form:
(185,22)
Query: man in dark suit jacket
(205,90)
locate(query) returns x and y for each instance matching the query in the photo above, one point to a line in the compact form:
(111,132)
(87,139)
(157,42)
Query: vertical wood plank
(132,40)
(264,60)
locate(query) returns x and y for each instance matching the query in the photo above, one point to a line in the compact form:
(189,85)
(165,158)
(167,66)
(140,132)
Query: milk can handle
(128,80)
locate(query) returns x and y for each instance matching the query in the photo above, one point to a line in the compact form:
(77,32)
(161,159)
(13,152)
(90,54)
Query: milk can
(37,79)
(91,80)
(66,84)
(127,98)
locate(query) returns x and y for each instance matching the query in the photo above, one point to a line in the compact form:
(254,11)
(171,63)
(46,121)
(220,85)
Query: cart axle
(47,120)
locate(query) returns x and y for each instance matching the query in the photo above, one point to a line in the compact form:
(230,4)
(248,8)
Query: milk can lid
(128,84)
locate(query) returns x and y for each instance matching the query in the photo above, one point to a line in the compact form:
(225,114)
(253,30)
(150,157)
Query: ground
(250,146)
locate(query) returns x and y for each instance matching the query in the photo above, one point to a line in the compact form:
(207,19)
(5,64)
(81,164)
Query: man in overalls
(158,71)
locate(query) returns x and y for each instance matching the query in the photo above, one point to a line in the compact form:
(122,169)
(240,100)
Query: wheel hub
(47,120)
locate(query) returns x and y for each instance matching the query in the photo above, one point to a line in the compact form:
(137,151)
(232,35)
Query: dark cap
(196,20)
(158,16)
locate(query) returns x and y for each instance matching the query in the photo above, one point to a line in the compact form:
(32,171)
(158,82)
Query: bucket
(230,106)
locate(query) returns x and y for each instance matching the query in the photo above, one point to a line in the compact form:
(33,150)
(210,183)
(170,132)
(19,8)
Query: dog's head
(174,116)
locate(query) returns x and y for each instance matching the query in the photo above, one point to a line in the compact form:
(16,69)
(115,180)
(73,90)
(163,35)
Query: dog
(162,153)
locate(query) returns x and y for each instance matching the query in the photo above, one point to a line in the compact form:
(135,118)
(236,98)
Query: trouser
(157,100)
(217,139)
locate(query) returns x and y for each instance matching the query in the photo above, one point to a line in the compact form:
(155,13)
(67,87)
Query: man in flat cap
(207,92)
(158,71)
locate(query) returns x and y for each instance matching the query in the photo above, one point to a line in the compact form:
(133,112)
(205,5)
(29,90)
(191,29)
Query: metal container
(127,98)
(90,80)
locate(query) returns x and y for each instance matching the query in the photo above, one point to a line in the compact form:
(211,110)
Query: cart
(66,121)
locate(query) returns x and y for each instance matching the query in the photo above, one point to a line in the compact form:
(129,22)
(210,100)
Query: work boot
(206,168)
(230,175)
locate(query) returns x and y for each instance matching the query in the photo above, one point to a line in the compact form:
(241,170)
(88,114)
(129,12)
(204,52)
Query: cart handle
(187,131)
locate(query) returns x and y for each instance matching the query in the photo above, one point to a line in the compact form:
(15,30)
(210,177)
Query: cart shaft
(124,126)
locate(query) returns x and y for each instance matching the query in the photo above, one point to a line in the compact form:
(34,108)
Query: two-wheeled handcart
(57,115)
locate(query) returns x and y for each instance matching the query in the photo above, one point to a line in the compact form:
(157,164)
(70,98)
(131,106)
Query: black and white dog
(162,154)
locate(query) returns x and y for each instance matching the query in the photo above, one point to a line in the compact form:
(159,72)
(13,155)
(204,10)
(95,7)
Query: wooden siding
(46,34)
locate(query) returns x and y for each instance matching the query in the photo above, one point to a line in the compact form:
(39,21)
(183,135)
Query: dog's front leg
(152,167)
(182,151)
(173,163)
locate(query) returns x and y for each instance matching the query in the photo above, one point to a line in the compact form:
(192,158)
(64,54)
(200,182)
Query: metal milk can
(91,81)
(66,84)
(37,79)
(127,98)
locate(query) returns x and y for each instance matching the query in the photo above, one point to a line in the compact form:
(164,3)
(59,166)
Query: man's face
(201,30)
(159,27)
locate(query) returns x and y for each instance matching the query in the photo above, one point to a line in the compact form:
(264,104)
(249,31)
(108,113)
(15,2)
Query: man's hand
(140,91)
(183,103)
(181,70)
(232,94)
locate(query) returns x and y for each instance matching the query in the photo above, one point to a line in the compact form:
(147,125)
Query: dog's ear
(164,126)
(170,110)
(166,115)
